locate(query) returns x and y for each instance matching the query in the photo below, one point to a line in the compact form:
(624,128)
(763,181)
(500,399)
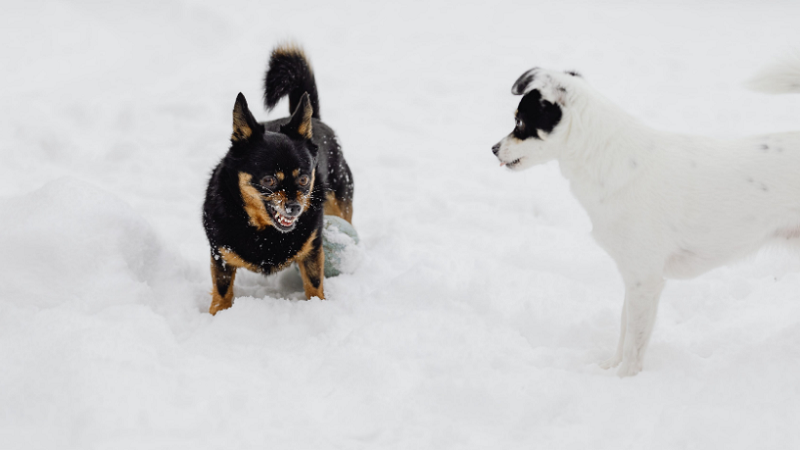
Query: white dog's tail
(778,78)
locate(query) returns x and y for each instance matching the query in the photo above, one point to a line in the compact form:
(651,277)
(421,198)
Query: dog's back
(738,194)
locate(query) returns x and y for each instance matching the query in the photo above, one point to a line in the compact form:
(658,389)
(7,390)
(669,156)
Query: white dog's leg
(617,358)
(641,305)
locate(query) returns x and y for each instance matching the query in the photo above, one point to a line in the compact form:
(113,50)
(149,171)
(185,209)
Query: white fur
(665,205)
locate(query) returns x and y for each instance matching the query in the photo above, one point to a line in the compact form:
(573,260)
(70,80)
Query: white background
(481,306)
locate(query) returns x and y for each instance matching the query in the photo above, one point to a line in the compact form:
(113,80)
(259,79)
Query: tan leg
(312,270)
(311,262)
(222,276)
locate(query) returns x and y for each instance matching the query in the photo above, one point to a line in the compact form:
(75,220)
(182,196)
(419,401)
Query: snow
(480,306)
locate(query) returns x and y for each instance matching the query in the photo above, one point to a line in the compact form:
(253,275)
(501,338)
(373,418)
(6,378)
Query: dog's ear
(245,126)
(299,124)
(523,81)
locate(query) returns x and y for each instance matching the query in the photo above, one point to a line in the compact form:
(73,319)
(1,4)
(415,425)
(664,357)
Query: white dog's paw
(610,362)
(629,369)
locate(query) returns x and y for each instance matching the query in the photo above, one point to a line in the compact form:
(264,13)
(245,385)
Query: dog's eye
(303,180)
(518,123)
(269,181)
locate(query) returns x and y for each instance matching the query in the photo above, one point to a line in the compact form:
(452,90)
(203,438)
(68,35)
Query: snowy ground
(481,307)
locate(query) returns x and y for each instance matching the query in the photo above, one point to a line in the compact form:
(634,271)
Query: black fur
(535,113)
(289,73)
(275,149)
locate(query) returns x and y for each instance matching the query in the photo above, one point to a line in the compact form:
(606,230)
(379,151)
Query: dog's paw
(610,362)
(629,369)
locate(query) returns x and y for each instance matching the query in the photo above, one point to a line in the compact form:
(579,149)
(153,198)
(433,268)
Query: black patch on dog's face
(535,113)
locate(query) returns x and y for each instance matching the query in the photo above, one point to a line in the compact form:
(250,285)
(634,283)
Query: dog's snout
(496,148)
(293,208)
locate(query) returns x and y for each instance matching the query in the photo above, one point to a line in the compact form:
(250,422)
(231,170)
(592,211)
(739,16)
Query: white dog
(662,205)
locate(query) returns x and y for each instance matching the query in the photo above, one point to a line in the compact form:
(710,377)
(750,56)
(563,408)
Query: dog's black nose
(293,209)
(496,148)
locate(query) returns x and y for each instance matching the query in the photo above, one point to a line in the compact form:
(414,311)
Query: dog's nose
(293,208)
(496,148)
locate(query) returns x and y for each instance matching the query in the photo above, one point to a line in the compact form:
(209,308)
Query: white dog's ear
(523,81)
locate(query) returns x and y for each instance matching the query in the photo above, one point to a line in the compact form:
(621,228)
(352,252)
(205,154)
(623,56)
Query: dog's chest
(624,221)
(272,251)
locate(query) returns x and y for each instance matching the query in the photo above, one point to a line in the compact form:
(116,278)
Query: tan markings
(306,249)
(234,260)
(241,131)
(295,172)
(311,262)
(336,207)
(304,129)
(313,267)
(278,198)
(253,203)
(279,176)
(305,199)
(220,302)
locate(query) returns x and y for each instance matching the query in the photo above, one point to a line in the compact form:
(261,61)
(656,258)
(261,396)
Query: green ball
(339,242)
(338,239)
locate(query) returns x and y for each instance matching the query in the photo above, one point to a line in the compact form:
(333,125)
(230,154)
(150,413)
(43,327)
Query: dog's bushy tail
(290,73)
(778,78)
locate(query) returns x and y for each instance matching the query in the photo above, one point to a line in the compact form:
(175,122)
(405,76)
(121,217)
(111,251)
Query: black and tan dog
(266,198)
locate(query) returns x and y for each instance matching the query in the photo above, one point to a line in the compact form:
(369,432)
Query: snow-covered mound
(71,243)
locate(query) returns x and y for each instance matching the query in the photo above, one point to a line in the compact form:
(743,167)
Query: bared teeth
(283,220)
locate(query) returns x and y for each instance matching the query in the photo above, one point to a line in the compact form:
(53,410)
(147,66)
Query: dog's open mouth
(510,164)
(282,221)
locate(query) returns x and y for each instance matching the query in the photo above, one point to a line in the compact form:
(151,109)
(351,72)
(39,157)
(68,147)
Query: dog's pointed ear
(523,81)
(245,126)
(299,124)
